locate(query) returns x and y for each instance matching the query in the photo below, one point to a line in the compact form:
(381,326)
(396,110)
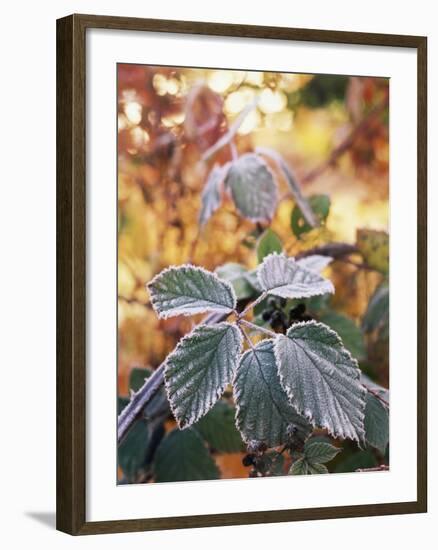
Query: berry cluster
(265,462)
(279,319)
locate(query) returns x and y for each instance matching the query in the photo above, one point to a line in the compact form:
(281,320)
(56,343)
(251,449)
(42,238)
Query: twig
(346,144)
(138,401)
(247,338)
(376,395)
(252,305)
(142,397)
(226,138)
(233,150)
(334,250)
(270,333)
(381,468)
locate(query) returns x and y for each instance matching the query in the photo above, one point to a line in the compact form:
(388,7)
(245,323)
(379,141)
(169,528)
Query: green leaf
(356,460)
(320,205)
(269,242)
(217,427)
(211,194)
(253,188)
(284,277)
(376,423)
(317,468)
(263,412)
(238,277)
(350,333)
(377,313)
(187,290)
(374,247)
(199,369)
(299,468)
(321,379)
(183,456)
(317,452)
(131,453)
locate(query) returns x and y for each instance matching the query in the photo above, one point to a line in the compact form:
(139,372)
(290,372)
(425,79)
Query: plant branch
(377,395)
(247,338)
(334,250)
(381,468)
(347,142)
(143,396)
(226,138)
(138,402)
(270,333)
(253,304)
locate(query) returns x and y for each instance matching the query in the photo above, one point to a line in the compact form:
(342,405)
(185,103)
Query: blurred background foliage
(333,132)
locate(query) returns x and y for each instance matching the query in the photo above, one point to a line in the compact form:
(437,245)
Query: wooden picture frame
(71,273)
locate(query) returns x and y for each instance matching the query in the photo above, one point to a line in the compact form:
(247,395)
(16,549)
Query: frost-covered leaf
(319,452)
(374,247)
(211,194)
(263,412)
(237,276)
(284,277)
(320,206)
(351,335)
(253,188)
(376,423)
(199,368)
(292,183)
(377,313)
(299,468)
(187,290)
(321,379)
(315,262)
(183,456)
(217,427)
(269,242)
(317,468)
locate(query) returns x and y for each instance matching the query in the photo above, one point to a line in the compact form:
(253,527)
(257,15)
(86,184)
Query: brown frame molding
(71,266)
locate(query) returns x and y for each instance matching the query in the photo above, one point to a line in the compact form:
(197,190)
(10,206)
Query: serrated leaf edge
(308,414)
(310,271)
(168,314)
(219,392)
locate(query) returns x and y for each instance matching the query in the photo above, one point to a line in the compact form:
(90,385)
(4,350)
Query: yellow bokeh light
(173,120)
(159,83)
(172,86)
(238,100)
(220,81)
(272,101)
(282,121)
(139,136)
(133,112)
(251,122)
(255,78)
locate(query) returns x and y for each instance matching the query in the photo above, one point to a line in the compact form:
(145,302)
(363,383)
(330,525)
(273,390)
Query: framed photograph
(241,274)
